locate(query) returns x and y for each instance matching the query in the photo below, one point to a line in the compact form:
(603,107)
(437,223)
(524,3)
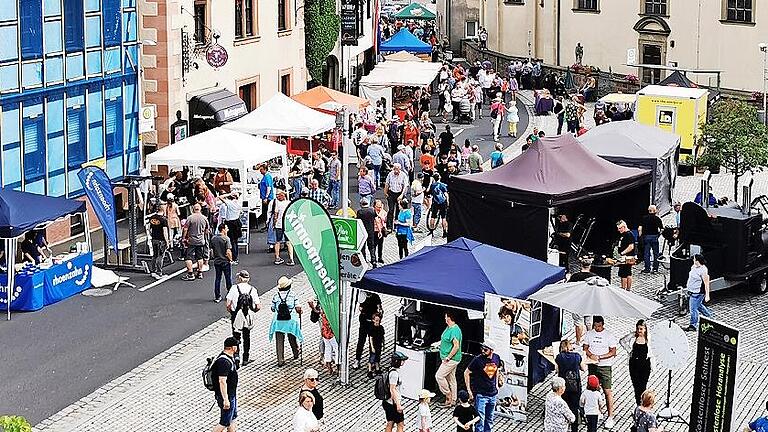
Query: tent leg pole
(87,223)
(10,259)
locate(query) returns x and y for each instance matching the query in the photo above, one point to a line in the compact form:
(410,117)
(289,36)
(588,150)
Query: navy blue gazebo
(459,274)
(23,211)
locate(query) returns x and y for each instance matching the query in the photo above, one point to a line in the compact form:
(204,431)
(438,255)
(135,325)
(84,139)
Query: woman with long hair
(636,344)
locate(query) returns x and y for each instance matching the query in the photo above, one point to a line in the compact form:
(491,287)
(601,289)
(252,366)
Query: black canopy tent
(631,144)
(509,207)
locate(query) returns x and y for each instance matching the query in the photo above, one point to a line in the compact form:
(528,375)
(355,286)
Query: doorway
(651,56)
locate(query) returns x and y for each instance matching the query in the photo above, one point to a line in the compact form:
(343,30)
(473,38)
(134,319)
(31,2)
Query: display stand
(245,232)
(419,371)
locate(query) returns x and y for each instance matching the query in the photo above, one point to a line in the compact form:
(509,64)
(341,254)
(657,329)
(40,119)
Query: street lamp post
(764,48)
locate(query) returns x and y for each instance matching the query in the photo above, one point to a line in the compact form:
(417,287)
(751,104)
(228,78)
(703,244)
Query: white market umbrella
(596,297)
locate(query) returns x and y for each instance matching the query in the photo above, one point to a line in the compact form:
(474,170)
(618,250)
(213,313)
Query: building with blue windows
(68,92)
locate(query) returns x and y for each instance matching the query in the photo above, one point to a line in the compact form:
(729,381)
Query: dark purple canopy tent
(509,207)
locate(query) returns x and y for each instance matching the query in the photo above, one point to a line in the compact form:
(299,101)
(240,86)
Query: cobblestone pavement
(166,392)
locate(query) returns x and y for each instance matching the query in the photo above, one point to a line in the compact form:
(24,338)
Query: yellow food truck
(680,110)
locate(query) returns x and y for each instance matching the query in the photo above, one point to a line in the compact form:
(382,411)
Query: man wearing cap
(395,188)
(393,408)
(600,346)
(229,212)
(483,380)
(310,385)
(224,371)
(243,317)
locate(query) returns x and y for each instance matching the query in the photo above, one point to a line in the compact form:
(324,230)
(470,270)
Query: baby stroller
(465,111)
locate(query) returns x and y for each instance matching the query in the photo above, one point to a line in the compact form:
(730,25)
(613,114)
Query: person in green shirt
(450,354)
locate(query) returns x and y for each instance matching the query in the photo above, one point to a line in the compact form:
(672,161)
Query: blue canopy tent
(404,40)
(23,211)
(459,273)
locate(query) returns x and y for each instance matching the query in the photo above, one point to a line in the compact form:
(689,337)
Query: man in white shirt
(243,315)
(600,347)
(395,189)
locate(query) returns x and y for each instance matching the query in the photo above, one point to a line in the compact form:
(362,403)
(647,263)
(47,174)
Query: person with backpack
(439,209)
(497,156)
(569,365)
(242,303)
(223,378)
(285,321)
(387,389)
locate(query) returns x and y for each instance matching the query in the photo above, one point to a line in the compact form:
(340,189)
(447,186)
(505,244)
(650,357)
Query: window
(515,2)
(33,130)
(285,82)
(283,17)
(249,93)
(200,21)
(112,23)
(245,18)
(73,25)
(75,132)
(470,29)
(587,5)
(739,11)
(238,18)
(656,7)
(31,21)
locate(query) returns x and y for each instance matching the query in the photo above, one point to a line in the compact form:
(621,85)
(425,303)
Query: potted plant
(14,424)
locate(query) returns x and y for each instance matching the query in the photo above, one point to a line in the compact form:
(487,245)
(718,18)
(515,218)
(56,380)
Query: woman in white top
(557,415)
(304,420)
(698,288)
(512,117)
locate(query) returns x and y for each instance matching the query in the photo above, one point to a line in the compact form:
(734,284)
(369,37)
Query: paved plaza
(166,392)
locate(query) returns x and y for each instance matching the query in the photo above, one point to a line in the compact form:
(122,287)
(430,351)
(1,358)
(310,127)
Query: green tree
(14,424)
(734,139)
(321,29)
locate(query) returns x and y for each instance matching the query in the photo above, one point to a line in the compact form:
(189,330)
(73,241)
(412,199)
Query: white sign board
(147,119)
(632,56)
(353,265)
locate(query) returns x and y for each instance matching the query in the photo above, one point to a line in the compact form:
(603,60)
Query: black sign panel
(349,23)
(715,379)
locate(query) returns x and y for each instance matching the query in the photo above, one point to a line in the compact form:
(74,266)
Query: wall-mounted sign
(216,56)
(349,22)
(147,119)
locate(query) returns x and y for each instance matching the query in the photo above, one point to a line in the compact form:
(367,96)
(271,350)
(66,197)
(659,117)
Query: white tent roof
(218,148)
(401,73)
(283,116)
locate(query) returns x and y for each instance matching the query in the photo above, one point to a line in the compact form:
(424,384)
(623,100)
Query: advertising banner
(715,379)
(349,22)
(507,323)
(98,188)
(308,227)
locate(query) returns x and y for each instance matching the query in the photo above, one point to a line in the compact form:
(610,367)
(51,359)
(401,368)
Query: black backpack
(283,311)
(208,380)
(381,386)
(244,301)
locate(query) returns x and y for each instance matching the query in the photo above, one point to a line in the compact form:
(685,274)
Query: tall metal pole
(344,285)
(765,85)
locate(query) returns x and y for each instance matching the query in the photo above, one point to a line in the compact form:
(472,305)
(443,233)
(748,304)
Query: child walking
(375,345)
(464,415)
(330,345)
(593,403)
(425,414)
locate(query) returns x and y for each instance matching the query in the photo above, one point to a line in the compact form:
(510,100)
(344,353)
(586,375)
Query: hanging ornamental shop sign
(216,55)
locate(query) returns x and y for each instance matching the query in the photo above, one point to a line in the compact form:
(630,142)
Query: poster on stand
(508,323)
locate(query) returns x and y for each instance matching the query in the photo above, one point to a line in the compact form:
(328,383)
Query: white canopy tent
(388,74)
(283,116)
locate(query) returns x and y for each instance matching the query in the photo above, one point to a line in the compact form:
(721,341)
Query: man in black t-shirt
(158,233)
(626,249)
(221,254)
(225,386)
(563,239)
(368,307)
(446,141)
(649,230)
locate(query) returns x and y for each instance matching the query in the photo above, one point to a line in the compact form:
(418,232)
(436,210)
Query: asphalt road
(55,356)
